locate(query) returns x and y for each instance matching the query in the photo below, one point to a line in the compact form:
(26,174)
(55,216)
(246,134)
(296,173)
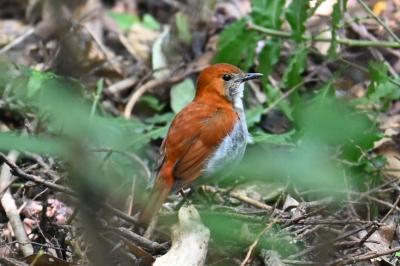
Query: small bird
(207,136)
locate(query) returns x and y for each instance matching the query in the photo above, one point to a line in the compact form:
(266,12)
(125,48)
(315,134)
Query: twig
(10,208)
(97,96)
(368,234)
(20,173)
(130,155)
(384,203)
(12,262)
(301,262)
(254,244)
(383,24)
(363,33)
(139,240)
(18,40)
(243,198)
(308,250)
(352,260)
(192,68)
(344,41)
(122,85)
(391,210)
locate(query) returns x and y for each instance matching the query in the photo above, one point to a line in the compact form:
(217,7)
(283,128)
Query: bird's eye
(226,77)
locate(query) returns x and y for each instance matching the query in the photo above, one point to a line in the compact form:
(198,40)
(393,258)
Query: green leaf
(237,45)
(262,137)
(36,81)
(152,102)
(268,13)
(296,15)
(269,56)
(381,90)
(124,20)
(182,94)
(378,72)
(150,22)
(297,64)
(338,10)
(183,27)
(10,141)
(162,118)
(253,115)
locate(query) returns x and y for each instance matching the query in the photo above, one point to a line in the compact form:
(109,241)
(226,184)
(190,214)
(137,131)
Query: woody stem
(345,41)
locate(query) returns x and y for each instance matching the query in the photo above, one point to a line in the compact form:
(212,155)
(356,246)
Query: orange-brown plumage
(194,135)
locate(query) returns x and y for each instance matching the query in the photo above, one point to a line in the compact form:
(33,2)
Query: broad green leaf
(237,45)
(124,20)
(35,82)
(150,22)
(268,13)
(52,146)
(297,64)
(269,56)
(296,15)
(182,94)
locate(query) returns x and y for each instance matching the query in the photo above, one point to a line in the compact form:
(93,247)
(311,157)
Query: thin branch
(10,208)
(382,23)
(344,41)
(36,179)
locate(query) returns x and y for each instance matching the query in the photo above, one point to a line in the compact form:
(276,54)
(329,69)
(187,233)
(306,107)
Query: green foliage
(269,56)
(182,94)
(125,21)
(237,45)
(268,13)
(71,128)
(296,15)
(292,76)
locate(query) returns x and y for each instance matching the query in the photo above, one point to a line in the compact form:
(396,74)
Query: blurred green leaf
(237,45)
(268,13)
(124,20)
(150,22)
(182,94)
(253,115)
(160,118)
(262,137)
(269,56)
(292,76)
(152,102)
(381,90)
(42,145)
(296,15)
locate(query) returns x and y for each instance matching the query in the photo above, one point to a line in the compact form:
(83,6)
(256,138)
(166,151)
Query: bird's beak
(250,76)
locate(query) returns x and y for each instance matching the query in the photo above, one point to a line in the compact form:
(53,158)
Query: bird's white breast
(232,147)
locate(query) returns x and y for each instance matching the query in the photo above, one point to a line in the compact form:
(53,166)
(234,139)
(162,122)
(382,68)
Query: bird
(207,136)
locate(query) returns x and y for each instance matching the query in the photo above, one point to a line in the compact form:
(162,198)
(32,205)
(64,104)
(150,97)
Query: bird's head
(223,80)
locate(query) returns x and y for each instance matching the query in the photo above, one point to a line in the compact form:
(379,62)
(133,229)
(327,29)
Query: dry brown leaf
(139,41)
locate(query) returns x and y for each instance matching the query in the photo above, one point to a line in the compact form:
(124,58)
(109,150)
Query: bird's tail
(158,196)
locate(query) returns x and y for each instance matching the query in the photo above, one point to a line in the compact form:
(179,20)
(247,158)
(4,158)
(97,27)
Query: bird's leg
(185,197)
